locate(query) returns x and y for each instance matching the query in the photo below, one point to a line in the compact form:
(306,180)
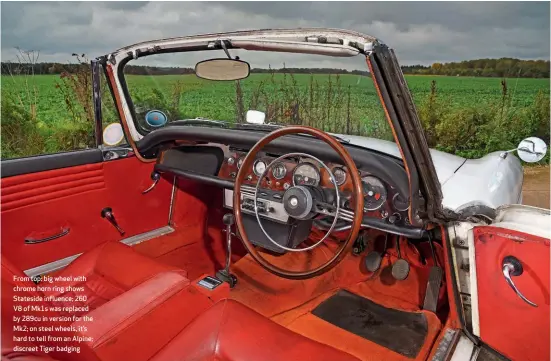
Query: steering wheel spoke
(301,203)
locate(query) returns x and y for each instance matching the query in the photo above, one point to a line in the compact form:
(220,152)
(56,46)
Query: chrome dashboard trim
(277,214)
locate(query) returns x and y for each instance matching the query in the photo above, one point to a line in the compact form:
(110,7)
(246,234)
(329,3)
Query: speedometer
(306,174)
(374,193)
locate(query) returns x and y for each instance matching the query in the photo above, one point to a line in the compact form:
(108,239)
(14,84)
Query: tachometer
(374,193)
(340,175)
(306,174)
(259,167)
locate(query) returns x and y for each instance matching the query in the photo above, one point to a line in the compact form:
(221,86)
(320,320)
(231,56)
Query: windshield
(336,95)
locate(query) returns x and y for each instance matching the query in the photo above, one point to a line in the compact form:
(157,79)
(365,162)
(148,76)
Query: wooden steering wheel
(326,209)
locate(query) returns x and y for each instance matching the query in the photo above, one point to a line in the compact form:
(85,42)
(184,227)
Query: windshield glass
(336,95)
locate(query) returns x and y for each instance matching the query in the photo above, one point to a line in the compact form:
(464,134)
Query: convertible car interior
(206,240)
(189,290)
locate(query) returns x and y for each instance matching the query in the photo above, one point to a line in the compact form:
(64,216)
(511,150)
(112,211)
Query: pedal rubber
(433,289)
(400,269)
(373,261)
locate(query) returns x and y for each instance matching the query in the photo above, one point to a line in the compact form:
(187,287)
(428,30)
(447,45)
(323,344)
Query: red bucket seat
(140,310)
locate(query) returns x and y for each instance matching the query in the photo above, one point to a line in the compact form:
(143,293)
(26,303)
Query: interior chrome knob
(155,178)
(512,267)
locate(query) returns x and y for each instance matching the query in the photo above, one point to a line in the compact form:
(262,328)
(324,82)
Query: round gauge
(400,203)
(240,162)
(279,171)
(340,175)
(259,167)
(306,174)
(374,193)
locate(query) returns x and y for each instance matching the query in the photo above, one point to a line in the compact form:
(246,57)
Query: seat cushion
(105,272)
(137,324)
(230,331)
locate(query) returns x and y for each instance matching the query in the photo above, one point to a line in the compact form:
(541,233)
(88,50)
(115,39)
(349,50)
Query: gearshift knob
(228,219)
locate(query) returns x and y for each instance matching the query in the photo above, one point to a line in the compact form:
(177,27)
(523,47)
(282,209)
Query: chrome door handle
(513,267)
(64,231)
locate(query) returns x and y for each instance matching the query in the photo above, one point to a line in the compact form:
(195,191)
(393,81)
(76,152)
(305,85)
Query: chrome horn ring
(337,210)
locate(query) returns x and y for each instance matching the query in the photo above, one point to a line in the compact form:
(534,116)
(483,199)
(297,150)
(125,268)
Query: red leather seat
(230,331)
(110,269)
(145,311)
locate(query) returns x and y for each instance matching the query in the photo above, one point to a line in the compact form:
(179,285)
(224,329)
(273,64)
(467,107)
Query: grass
(461,102)
(215,99)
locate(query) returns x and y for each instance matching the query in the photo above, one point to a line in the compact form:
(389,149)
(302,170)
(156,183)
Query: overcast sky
(421,32)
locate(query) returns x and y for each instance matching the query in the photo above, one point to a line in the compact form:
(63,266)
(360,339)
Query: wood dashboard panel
(229,171)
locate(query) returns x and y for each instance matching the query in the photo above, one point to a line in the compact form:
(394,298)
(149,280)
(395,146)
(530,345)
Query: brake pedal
(400,268)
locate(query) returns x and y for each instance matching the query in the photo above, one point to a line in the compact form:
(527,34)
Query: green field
(352,97)
(214,99)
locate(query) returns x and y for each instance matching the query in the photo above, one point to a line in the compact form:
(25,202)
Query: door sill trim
(64,262)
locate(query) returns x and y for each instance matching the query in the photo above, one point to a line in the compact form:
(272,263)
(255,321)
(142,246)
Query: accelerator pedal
(433,289)
(434,282)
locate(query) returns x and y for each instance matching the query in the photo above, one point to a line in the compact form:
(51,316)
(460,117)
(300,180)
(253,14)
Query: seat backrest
(22,297)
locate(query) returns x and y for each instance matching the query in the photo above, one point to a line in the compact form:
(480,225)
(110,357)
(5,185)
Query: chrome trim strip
(142,237)
(51,267)
(64,262)
(446,345)
(172,197)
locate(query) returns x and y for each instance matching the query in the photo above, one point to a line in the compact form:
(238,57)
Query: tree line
(501,68)
(504,67)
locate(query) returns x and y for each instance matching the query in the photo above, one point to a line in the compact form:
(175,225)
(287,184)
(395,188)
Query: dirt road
(535,191)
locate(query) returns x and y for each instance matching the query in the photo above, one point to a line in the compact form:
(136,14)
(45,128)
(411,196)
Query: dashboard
(381,198)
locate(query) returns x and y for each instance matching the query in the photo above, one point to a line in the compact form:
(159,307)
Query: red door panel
(40,204)
(507,323)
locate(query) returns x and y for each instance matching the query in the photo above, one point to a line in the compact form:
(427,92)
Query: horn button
(298,202)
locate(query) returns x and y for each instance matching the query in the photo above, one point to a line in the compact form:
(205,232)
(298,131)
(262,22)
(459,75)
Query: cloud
(421,32)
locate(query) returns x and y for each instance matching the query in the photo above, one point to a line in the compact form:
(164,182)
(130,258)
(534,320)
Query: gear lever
(224,274)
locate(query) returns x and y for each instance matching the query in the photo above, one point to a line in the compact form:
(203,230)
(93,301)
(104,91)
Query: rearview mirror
(532,149)
(222,69)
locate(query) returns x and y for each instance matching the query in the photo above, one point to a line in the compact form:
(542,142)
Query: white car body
(491,181)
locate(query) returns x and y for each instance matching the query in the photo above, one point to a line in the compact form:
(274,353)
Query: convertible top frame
(383,65)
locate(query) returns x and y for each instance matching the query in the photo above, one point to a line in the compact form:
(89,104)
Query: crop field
(216,99)
(341,104)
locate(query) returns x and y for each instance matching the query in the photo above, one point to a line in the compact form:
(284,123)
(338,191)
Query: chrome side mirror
(532,149)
